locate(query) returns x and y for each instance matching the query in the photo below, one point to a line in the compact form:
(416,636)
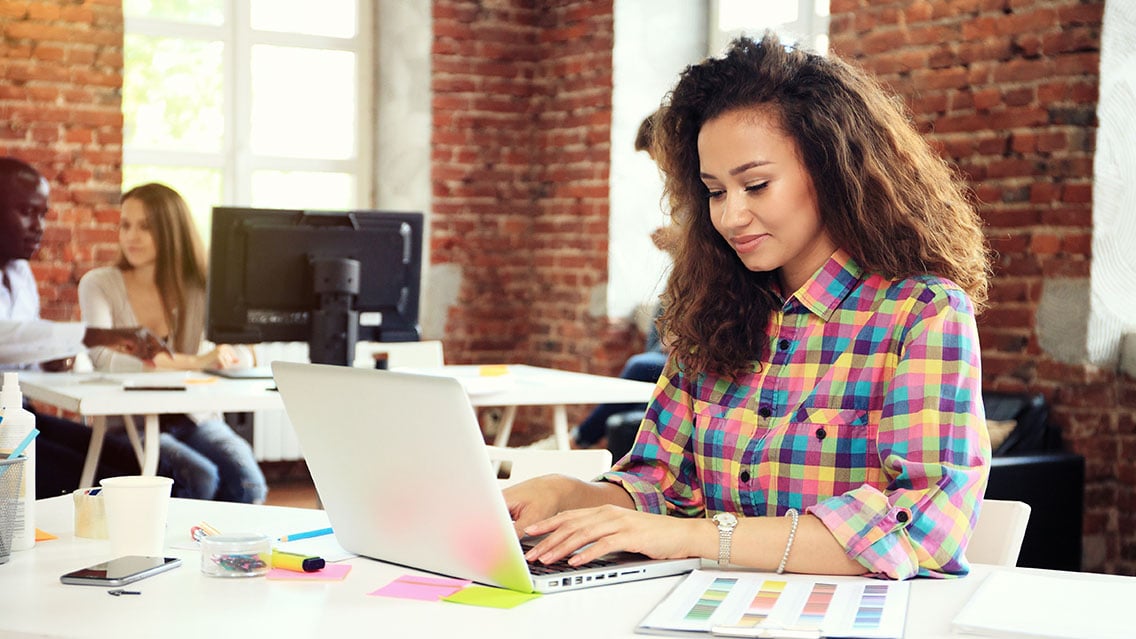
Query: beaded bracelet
(792,512)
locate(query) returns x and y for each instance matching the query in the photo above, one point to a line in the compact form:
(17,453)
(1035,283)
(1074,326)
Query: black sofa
(1029,465)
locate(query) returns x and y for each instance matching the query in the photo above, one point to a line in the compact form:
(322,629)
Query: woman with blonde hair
(821,410)
(159,282)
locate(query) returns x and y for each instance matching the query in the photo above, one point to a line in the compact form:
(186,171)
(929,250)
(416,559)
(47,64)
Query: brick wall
(60,111)
(521,146)
(1008,89)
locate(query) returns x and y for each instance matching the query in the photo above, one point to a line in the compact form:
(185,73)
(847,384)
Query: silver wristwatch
(726,524)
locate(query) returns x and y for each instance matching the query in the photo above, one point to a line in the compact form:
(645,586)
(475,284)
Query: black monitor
(329,278)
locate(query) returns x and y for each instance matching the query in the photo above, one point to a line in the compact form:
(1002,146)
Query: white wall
(654,41)
(1113,301)
(403,122)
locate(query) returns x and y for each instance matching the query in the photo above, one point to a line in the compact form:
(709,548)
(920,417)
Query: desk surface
(97,393)
(185,603)
(94,394)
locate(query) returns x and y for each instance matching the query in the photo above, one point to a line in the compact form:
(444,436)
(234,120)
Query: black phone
(120,571)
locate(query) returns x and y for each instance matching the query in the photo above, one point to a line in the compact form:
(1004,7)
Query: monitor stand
(335,326)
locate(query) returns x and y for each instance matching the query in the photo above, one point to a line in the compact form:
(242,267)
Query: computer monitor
(329,278)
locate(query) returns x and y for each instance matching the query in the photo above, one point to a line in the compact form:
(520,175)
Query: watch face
(727,520)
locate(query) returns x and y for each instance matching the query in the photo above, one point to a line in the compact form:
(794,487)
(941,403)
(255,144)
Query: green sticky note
(490,597)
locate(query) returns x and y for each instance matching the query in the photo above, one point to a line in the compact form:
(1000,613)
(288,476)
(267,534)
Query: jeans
(210,461)
(644,367)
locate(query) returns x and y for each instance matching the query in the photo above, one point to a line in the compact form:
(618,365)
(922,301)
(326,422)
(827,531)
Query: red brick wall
(521,146)
(61,111)
(1008,89)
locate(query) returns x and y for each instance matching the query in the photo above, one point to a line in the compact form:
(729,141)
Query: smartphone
(121,571)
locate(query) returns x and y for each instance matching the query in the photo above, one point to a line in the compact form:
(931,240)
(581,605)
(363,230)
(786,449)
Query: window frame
(235,159)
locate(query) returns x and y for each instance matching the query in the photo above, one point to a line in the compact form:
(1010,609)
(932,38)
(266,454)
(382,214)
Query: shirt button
(783,344)
(821,434)
(745,476)
(901,517)
(764,411)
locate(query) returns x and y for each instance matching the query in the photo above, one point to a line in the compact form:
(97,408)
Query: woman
(822,400)
(159,283)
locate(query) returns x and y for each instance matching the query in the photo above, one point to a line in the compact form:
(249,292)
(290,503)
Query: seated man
(26,341)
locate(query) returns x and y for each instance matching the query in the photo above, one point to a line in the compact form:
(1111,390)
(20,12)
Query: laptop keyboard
(538,568)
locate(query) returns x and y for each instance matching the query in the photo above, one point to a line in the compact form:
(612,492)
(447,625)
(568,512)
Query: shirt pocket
(824,453)
(722,435)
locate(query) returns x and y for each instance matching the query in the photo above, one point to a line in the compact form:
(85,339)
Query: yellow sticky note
(493,370)
(490,597)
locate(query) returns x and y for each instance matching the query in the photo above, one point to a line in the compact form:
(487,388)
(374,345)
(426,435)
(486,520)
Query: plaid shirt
(867,414)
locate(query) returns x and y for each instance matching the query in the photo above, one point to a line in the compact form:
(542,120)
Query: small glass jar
(236,555)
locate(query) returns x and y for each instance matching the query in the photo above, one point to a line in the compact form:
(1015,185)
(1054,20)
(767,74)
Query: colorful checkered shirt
(866,413)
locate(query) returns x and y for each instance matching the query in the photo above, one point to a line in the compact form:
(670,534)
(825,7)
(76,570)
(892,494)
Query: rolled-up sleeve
(933,448)
(659,471)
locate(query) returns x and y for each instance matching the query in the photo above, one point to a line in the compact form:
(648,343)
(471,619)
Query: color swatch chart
(841,606)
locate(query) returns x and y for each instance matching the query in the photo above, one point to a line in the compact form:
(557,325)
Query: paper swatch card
(749,603)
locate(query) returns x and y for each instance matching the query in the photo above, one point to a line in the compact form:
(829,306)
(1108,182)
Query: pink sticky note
(330,572)
(421,587)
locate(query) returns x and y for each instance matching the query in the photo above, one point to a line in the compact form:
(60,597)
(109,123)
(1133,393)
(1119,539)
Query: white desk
(535,386)
(185,603)
(520,386)
(84,394)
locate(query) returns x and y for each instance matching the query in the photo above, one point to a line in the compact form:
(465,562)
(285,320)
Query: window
(804,22)
(249,102)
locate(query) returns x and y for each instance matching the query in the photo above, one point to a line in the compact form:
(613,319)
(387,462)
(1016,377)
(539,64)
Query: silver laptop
(401,467)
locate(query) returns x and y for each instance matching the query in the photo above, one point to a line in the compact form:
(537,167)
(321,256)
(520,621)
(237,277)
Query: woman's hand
(613,528)
(535,499)
(223,356)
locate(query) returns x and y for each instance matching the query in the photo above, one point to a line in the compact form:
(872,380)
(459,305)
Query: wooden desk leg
(560,426)
(505,428)
(94,449)
(150,463)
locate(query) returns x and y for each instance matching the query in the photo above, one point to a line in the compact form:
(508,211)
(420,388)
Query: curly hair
(882,192)
(180,271)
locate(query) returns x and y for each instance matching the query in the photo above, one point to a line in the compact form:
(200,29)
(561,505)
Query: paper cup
(136,508)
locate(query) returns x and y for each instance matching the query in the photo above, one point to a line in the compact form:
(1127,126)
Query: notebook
(400,464)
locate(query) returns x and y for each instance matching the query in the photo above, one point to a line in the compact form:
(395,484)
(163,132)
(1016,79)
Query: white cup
(136,508)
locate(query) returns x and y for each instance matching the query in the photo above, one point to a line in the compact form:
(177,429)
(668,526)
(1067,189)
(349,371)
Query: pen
(296,562)
(306,535)
(24,443)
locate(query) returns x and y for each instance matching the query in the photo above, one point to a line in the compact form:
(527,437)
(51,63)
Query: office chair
(518,464)
(997,537)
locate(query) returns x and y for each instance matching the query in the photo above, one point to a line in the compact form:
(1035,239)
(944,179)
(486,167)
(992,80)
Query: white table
(534,386)
(88,395)
(97,396)
(185,603)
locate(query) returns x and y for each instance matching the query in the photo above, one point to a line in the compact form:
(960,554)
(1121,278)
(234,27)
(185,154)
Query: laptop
(400,464)
(251,372)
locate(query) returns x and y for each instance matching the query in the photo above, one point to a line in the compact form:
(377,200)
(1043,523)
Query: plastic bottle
(16,424)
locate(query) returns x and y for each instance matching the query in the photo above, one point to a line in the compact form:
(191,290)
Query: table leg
(150,464)
(505,428)
(560,426)
(94,449)
(135,440)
